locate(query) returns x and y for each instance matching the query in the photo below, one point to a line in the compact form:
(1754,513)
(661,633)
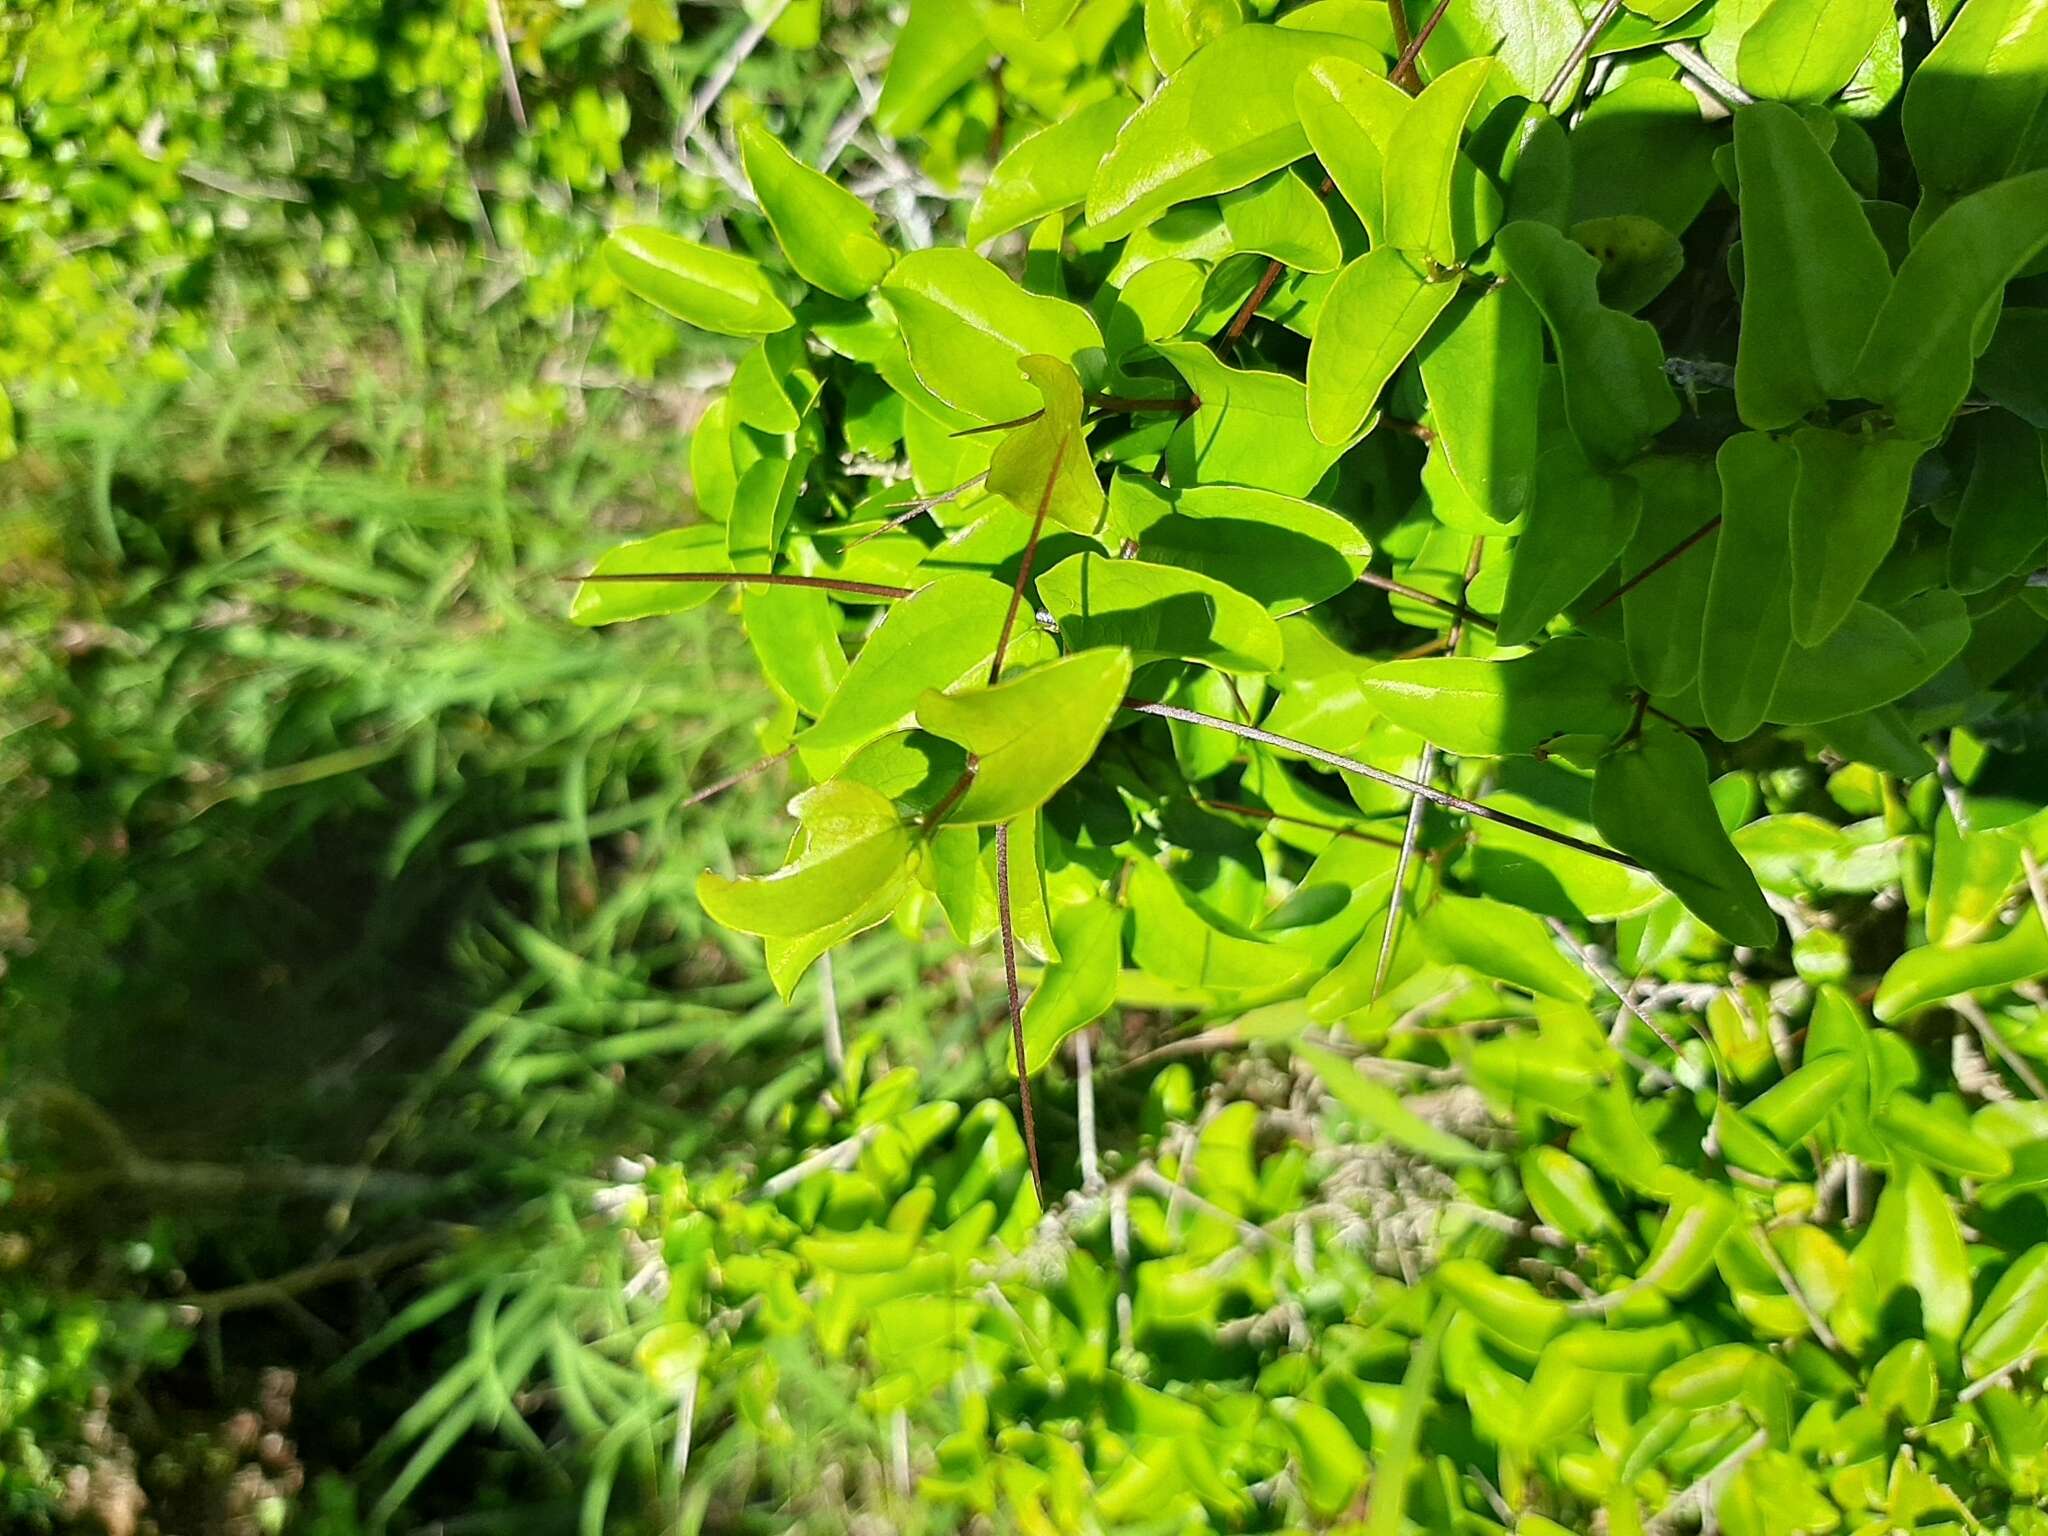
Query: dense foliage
(1483,557)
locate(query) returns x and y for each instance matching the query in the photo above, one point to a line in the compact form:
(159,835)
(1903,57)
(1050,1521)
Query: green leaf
(1250,428)
(1420,161)
(1280,216)
(1079,987)
(1663,614)
(1045,462)
(942,45)
(762,507)
(1482,368)
(1615,391)
(794,632)
(1332,1467)
(1159,611)
(968,325)
(1918,358)
(1567,1195)
(1747,633)
(712,290)
(1503,943)
(1642,148)
(1913,1243)
(1913,1126)
(1222,120)
(1802,51)
(1381,1112)
(1349,113)
(697,548)
(2013,1321)
(1581,521)
(1376,313)
(1174,942)
(1973,109)
(1638,258)
(1509,1310)
(939,637)
(1042,18)
(1050,170)
(1650,801)
(1930,975)
(1028,734)
(852,848)
(1287,553)
(1792,1107)
(1999,530)
(1814,275)
(827,233)
(1872,658)
(1175,30)
(1574,685)
(1846,509)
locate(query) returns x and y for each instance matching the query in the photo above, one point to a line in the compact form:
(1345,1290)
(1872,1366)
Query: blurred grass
(346,889)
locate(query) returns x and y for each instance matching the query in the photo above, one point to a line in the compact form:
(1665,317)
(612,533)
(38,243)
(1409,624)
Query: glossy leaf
(1580,523)
(968,325)
(1281,217)
(827,233)
(1747,631)
(1999,530)
(1616,395)
(1570,686)
(1287,553)
(1650,801)
(852,848)
(943,44)
(1663,613)
(1420,161)
(1177,29)
(1482,368)
(1504,943)
(710,289)
(1159,611)
(698,548)
(1973,109)
(1047,171)
(1377,312)
(1814,275)
(2013,1322)
(1222,120)
(1349,113)
(1929,975)
(1917,361)
(1079,987)
(1029,734)
(1872,658)
(941,636)
(1799,51)
(1913,1243)
(1251,427)
(1846,510)
(1045,462)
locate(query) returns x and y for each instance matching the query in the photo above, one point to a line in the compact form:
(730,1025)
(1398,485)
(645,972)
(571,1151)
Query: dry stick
(1004,920)
(1606,979)
(1411,832)
(1694,63)
(1459,611)
(756,578)
(1658,564)
(314,1276)
(1981,1023)
(1402,74)
(912,510)
(508,73)
(1580,49)
(733,780)
(714,87)
(1084,1107)
(1337,760)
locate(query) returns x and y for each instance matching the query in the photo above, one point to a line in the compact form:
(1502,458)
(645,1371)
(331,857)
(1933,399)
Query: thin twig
(686,1421)
(1694,63)
(752,578)
(1787,1279)
(1592,966)
(1985,1383)
(1084,1106)
(1345,764)
(840,1155)
(734,780)
(828,1006)
(995,666)
(1658,564)
(1580,49)
(719,78)
(1009,935)
(1981,1023)
(2037,884)
(1153,1180)
(508,72)
(912,510)
(1463,614)
(313,1277)
(1261,813)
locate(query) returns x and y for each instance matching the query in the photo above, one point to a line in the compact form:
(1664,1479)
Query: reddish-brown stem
(1658,564)
(734,780)
(753,578)
(995,666)
(1259,812)
(1458,611)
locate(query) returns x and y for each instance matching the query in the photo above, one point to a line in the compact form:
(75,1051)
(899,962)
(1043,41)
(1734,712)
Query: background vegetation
(389,1142)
